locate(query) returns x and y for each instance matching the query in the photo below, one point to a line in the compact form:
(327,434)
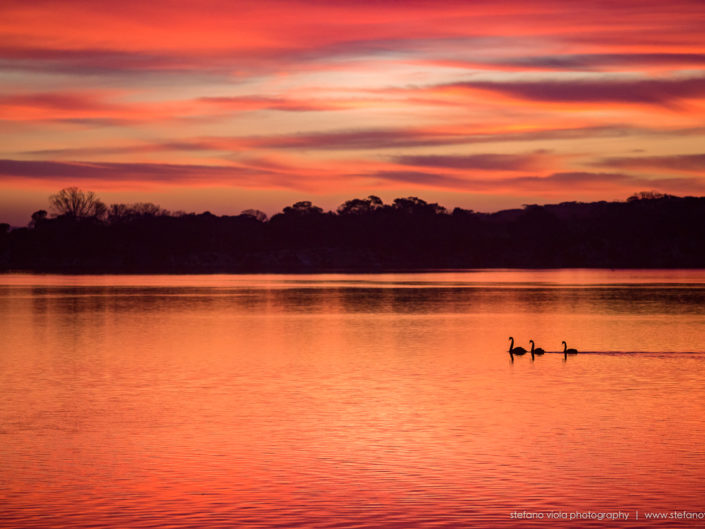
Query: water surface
(349,400)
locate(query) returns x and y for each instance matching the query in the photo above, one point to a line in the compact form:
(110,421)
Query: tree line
(82,234)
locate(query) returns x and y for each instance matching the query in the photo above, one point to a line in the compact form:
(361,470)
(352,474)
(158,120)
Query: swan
(515,350)
(567,351)
(537,351)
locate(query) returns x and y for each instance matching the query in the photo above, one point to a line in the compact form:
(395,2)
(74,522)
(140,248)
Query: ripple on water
(357,403)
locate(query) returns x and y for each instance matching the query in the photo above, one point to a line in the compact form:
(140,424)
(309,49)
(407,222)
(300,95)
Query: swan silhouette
(567,351)
(537,351)
(515,350)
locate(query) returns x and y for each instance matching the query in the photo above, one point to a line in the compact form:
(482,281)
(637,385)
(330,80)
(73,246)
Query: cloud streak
(581,62)
(272,175)
(126,172)
(688,163)
(112,109)
(485,162)
(378,139)
(547,185)
(666,92)
(599,61)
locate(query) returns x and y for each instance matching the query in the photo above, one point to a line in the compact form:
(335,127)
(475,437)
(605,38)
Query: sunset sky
(226,105)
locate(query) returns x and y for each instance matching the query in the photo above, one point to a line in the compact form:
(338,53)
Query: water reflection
(455,300)
(368,401)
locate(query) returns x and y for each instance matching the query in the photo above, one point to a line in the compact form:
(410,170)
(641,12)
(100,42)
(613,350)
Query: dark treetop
(648,230)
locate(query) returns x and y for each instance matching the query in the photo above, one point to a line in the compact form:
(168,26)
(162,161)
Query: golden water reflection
(348,401)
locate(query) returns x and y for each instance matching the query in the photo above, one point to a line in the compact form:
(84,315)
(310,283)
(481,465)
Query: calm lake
(351,400)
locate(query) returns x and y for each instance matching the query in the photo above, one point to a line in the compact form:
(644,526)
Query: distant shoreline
(315,271)
(364,236)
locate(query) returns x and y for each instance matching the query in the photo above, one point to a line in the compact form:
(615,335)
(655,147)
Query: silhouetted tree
(647,195)
(460,212)
(302,208)
(117,212)
(256,214)
(74,203)
(415,206)
(127,212)
(360,206)
(4,240)
(38,217)
(652,230)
